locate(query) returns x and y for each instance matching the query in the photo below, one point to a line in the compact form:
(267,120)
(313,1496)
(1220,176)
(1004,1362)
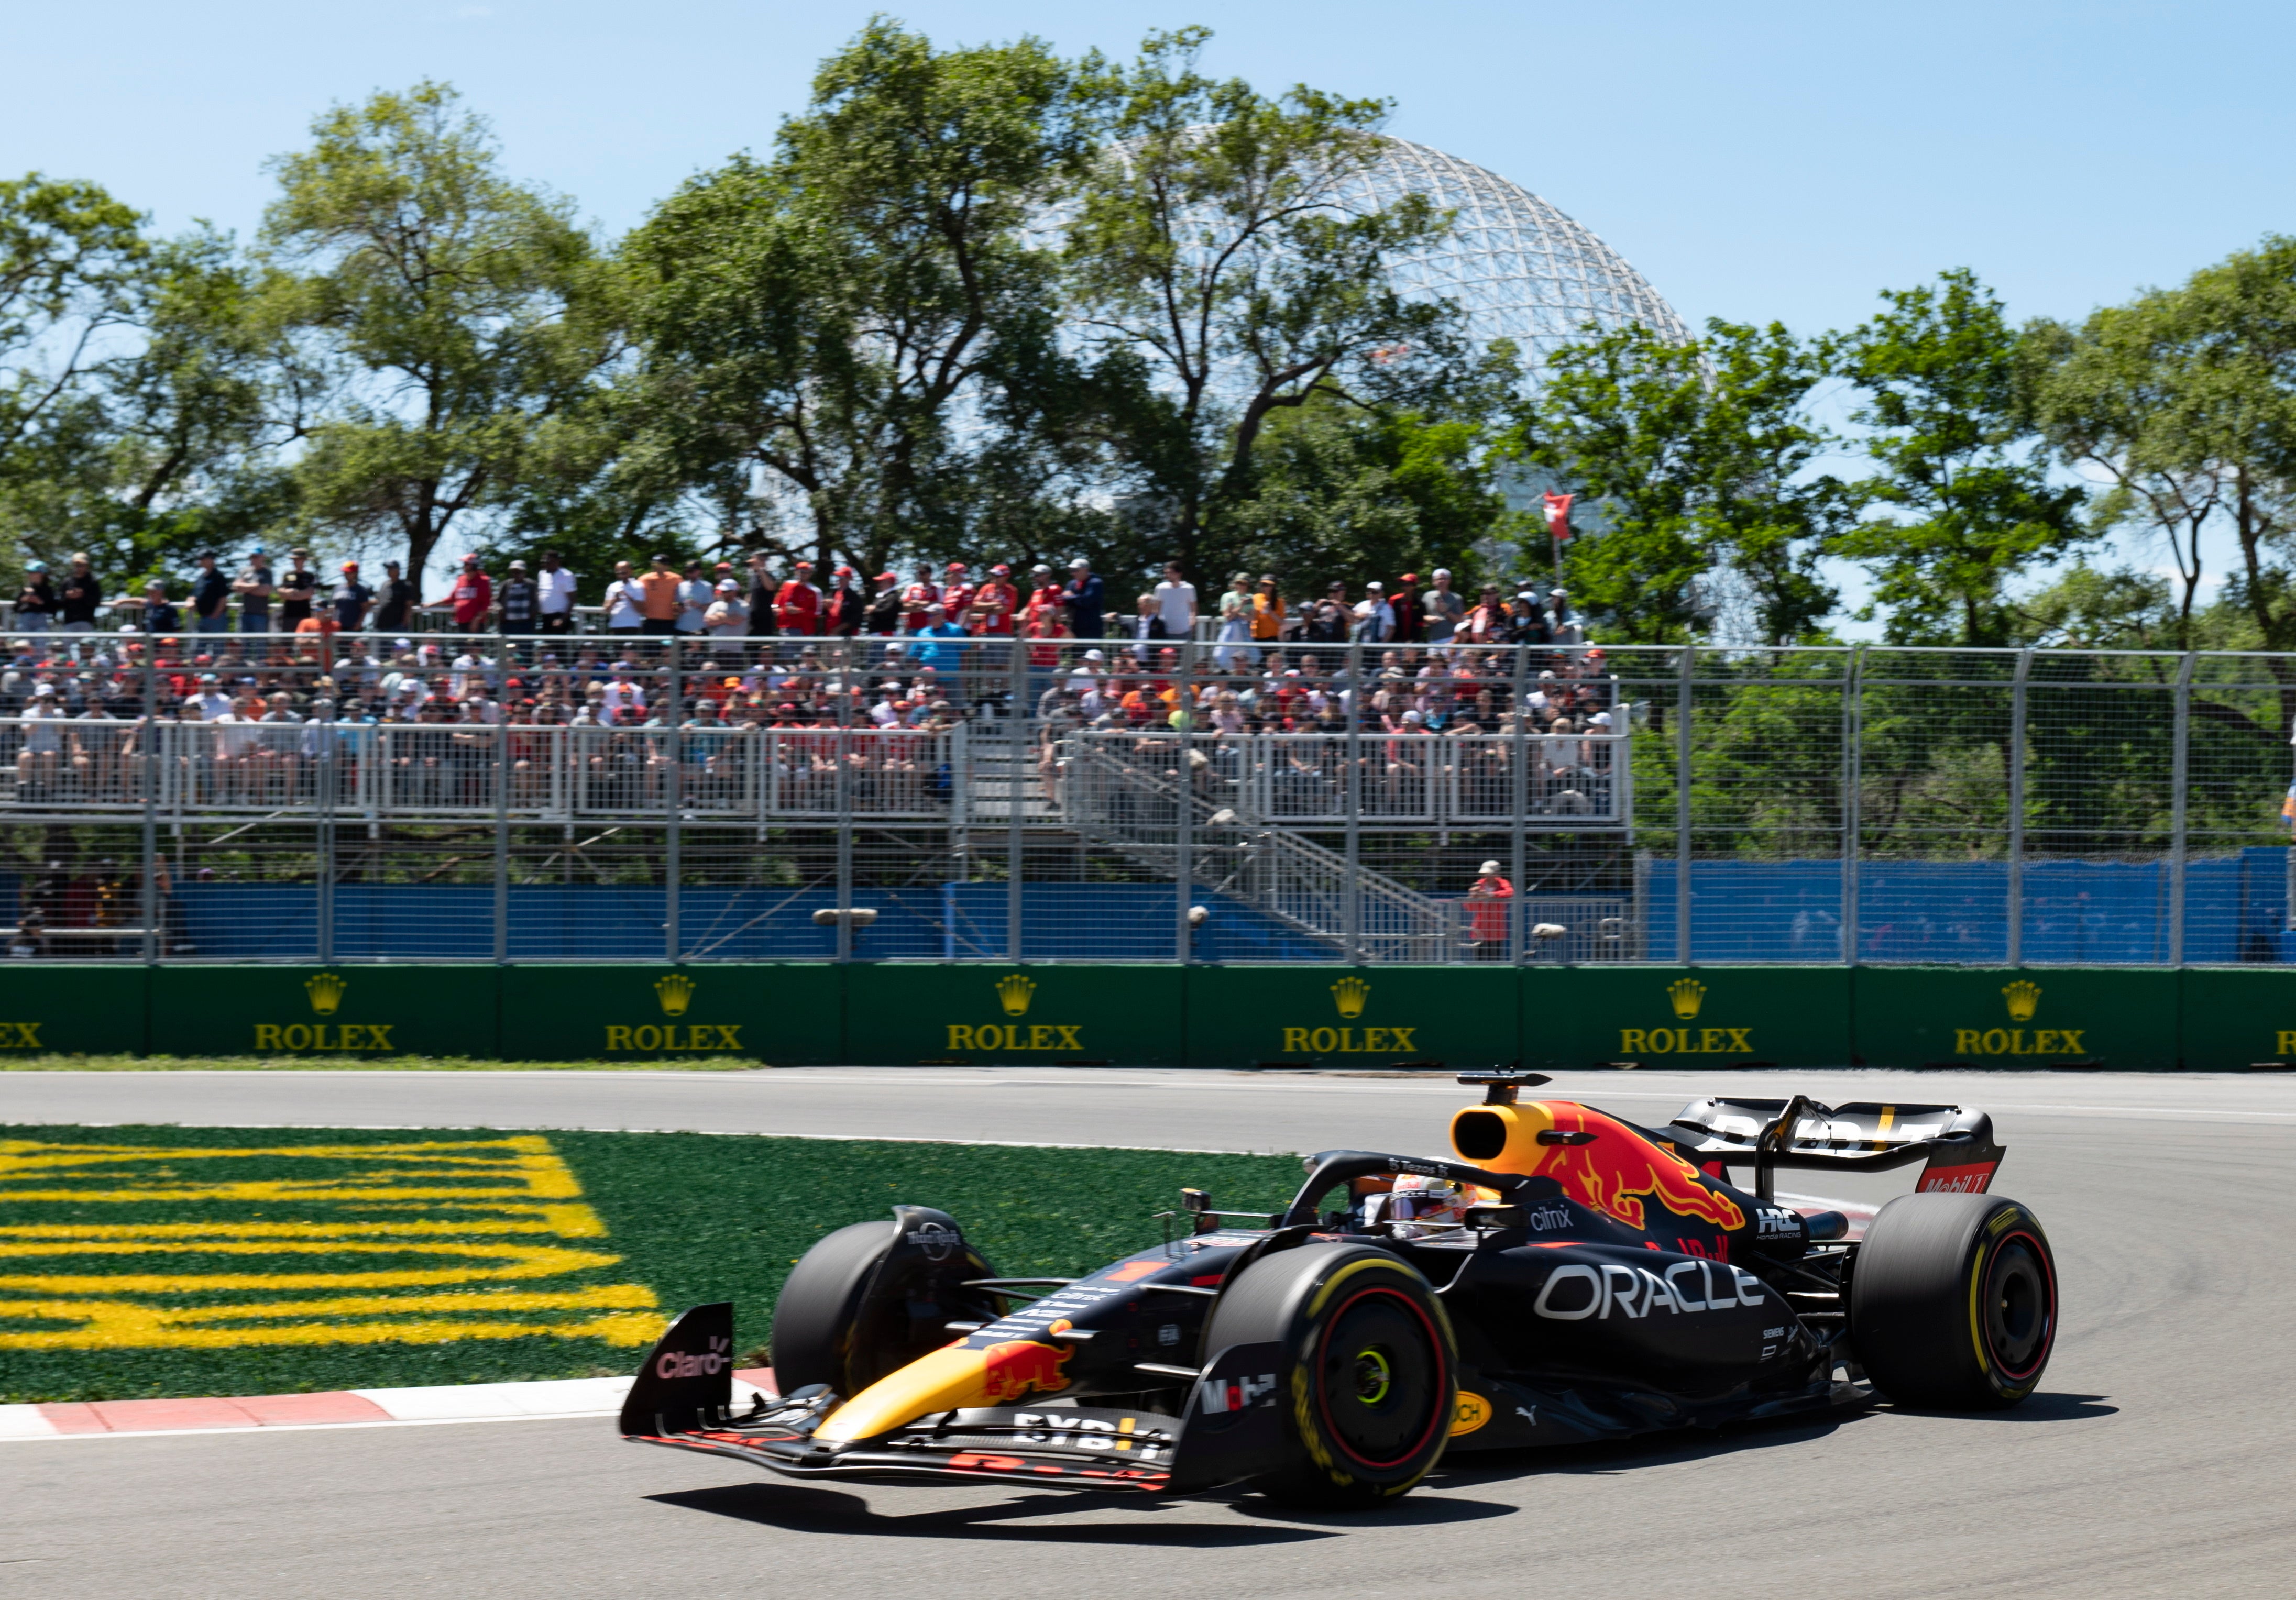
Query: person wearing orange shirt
(658,601)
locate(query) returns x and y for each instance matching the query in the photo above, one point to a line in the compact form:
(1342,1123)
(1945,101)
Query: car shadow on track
(809,1510)
(2041,1408)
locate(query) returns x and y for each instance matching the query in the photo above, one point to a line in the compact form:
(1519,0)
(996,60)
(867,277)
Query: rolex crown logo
(326,991)
(1687,994)
(2024,998)
(1015,992)
(675,992)
(1351,993)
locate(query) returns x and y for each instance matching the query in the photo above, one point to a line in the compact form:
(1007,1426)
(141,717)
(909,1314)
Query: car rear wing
(1956,1143)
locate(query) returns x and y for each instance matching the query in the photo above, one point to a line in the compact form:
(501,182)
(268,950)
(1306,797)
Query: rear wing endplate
(1955,1144)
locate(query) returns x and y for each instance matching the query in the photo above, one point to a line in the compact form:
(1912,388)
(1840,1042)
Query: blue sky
(1765,161)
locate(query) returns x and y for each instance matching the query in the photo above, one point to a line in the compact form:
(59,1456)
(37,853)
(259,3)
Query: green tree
(853,348)
(1340,492)
(455,310)
(1947,406)
(1697,459)
(1220,241)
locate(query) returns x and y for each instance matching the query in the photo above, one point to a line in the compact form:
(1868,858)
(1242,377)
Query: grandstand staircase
(1131,812)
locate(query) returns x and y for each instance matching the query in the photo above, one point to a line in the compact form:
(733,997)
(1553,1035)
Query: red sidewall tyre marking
(1436,1418)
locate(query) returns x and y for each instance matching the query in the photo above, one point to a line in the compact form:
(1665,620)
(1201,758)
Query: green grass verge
(688,1217)
(362,1064)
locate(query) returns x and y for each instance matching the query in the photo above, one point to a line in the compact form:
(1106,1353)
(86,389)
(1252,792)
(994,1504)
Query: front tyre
(1368,1377)
(1953,1301)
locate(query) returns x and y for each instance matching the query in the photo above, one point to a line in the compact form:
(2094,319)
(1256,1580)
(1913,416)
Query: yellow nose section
(948,1380)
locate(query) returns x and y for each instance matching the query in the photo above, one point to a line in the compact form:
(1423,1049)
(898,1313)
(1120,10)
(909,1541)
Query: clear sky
(1756,161)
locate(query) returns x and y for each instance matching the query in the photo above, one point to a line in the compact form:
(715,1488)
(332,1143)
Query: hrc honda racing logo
(695,1363)
(1636,1292)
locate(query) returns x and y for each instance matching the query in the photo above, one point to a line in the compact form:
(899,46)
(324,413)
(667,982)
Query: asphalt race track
(2154,1461)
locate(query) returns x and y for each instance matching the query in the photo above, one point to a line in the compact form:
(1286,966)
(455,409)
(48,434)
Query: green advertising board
(1462,1017)
(383,1009)
(2029,1019)
(56,1008)
(783,1015)
(1040,1014)
(2235,1019)
(1703,1016)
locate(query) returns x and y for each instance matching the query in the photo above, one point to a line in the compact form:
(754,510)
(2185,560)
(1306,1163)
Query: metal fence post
(1853,784)
(1184,820)
(149,742)
(1016,793)
(502,842)
(2016,907)
(1352,921)
(1682,806)
(673,866)
(330,767)
(2180,779)
(844,800)
(1517,918)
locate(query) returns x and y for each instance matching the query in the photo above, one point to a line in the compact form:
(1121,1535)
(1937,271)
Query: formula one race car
(1571,1276)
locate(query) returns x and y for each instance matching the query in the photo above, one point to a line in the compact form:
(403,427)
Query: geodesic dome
(1517,267)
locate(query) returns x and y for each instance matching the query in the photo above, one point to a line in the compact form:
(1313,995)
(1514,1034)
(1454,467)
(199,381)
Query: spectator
(955,592)
(36,601)
(995,605)
(299,588)
(1442,609)
(82,593)
(1487,913)
(210,599)
(395,602)
(695,592)
(764,623)
(882,615)
(918,601)
(352,598)
(1266,611)
(1145,622)
(842,609)
(253,586)
(1236,614)
(658,601)
(472,597)
(797,606)
(932,649)
(728,616)
(1375,618)
(1328,618)
(1175,606)
(517,601)
(1085,602)
(625,614)
(553,597)
(1404,601)
(160,614)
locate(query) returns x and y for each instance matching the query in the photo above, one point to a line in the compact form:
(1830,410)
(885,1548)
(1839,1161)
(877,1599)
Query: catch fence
(955,798)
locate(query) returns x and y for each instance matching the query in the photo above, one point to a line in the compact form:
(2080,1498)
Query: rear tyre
(1368,1378)
(1953,1301)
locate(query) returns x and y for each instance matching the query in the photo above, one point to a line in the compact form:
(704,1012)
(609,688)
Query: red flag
(1558,515)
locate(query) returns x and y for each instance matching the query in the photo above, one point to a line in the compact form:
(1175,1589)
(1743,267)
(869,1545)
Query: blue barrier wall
(2076,913)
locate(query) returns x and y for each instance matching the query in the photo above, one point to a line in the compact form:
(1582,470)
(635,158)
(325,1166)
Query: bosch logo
(935,1239)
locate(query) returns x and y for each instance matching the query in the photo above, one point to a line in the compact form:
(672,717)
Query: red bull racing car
(1569,1276)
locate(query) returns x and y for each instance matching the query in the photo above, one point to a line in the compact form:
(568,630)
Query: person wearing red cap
(919,601)
(1405,603)
(882,615)
(845,606)
(798,607)
(472,596)
(352,598)
(955,593)
(993,604)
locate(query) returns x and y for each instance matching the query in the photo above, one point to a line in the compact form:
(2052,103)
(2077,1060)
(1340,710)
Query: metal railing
(986,798)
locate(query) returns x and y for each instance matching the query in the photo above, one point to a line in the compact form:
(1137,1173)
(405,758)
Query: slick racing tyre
(861,1304)
(1953,1301)
(1369,1373)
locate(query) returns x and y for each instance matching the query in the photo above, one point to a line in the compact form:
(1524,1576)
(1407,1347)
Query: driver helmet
(1428,1203)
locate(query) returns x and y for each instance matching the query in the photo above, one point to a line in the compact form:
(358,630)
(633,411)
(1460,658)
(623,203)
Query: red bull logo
(1022,1366)
(1617,1168)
